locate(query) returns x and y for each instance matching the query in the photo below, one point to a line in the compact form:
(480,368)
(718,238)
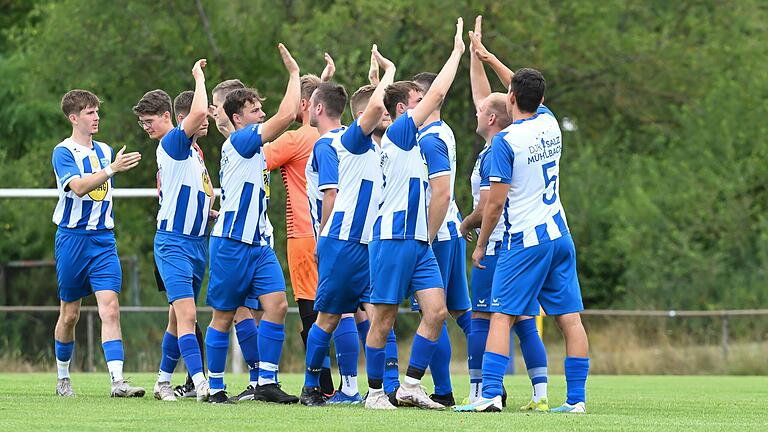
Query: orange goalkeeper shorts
(302,267)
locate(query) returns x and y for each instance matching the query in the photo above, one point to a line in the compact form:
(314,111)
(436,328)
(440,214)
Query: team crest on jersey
(100,192)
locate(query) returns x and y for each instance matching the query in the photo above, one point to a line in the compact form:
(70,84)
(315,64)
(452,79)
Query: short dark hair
(227,86)
(396,93)
(309,83)
(183,103)
(333,97)
(528,85)
(236,100)
(77,100)
(360,98)
(154,102)
(424,80)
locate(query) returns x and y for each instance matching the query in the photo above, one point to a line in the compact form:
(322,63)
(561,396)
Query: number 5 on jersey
(550,181)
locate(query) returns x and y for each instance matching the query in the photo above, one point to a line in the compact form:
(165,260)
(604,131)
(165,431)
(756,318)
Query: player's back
(359,185)
(403,211)
(243,189)
(94,210)
(526,155)
(438,138)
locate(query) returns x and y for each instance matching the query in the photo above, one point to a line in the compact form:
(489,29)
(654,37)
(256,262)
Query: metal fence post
(725,337)
(89,324)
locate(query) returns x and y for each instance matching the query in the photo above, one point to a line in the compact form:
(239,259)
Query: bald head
(492,115)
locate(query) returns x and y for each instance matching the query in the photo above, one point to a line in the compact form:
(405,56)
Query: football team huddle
(372,222)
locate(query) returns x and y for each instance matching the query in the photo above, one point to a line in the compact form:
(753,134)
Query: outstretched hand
(458,41)
(288,61)
(373,72)
(197,69)
(330,68)
(125,161)
(478,48)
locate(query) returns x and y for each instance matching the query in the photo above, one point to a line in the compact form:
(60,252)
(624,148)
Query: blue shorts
(482,281)
(241,271)
(399,268)
(451,257)
(86,262)
(545,274)
(181,261)
(343,272)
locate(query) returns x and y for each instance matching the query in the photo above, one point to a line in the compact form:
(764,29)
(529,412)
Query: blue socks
(493,374)
(440,365)
(391,366)
(374,365)
(170,359)
(476,349)
(63,351)
(422,352)
(217,345)
(465,323)
(271,337)
(318,345)
(347,346)
(532,348)
(113,353)
(247,337)
(362,330)
(190,350)
(576,371)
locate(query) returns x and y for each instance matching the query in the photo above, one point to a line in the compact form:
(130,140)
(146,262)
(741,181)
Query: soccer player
(539,265)
(182,105)
(86,253)
(438,147)
(492,118)
(180,248)
(401,259)
(290,153)
(243,265)
(347,165)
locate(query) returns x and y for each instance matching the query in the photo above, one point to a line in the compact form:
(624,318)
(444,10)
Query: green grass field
(616,403)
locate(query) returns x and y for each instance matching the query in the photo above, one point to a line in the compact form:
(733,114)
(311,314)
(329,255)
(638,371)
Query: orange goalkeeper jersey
(290,153)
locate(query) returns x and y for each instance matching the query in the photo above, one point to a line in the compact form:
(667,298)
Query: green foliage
(662,181)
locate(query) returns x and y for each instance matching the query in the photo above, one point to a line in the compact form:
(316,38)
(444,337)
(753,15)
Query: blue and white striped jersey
(526,156)
(347,159)
(244,188)
(94,210)
(438,147)
(184,186)
(313,193)
(480,181)
(403,209)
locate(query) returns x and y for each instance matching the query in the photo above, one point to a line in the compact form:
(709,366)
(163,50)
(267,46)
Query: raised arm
(478,80)
(443,81)
(375,108)
(199,109)
(373,72)
(504,73)
(286,113)
(330,68)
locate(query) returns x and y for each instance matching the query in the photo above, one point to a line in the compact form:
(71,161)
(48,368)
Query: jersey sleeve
(247,141)
(485,171)
(502,160)
(327,165)
(176,143)
(402,132)
(280,151)
(435,153)
(65,167)
(355,140)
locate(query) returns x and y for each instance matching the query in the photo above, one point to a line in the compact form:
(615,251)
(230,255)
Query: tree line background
(663,179)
